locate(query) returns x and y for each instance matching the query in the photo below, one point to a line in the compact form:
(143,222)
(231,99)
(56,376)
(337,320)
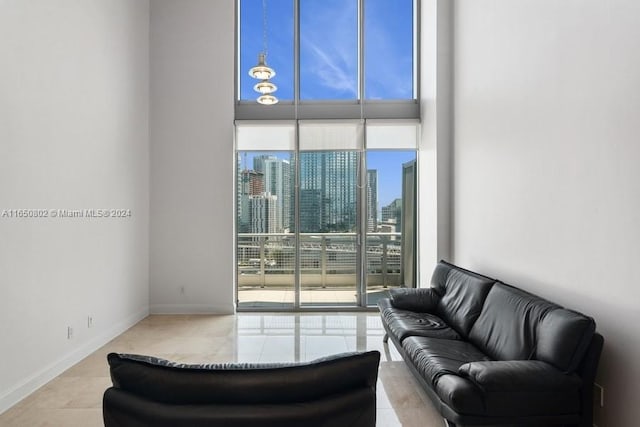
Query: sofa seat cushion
(404,323)
(434,357)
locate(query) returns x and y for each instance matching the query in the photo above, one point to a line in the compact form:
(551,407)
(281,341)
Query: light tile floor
(75,397)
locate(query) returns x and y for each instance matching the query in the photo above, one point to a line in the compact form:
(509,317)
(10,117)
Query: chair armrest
(422,300)
(519,375)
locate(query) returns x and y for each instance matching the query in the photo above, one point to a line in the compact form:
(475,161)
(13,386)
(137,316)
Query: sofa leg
(385,338)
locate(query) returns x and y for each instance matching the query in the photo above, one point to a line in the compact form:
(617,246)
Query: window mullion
(361,65)
(296,57)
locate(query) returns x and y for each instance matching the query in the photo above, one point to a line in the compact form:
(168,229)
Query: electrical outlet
(599,392)
(69,332)
(89,322)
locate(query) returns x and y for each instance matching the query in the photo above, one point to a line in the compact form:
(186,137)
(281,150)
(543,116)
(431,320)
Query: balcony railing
(327,260)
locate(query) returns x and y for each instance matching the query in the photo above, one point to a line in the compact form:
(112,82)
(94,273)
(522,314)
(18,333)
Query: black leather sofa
(338,391)
(488,353)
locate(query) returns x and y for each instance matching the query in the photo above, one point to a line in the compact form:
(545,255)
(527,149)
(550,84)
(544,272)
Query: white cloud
(331,71)
(329,46)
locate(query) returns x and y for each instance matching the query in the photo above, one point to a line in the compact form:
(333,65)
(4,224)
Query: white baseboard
(190,309)
(49,372)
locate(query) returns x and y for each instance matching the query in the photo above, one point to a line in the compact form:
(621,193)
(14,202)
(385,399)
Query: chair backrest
(152,391)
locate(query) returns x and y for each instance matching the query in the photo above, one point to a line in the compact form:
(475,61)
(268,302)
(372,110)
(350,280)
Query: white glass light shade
(265,87)
(262,71)
(267,100)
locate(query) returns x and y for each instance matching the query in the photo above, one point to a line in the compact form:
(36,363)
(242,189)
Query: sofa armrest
(422,300)
(519,375)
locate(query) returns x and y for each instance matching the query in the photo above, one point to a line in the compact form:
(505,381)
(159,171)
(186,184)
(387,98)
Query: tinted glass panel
(390,203)
(266,252)
(279,37)
(328,49)
(388,49)
(328,225)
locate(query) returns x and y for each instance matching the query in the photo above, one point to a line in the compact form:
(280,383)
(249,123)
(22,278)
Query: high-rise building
(372,200)
(277,182)
(393,212)
(409,224)
(313,204)
(250,183)
(263,217)
(258,161)
(328,179)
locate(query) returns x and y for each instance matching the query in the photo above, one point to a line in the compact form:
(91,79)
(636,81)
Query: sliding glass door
(390,229)
(329,232)
(321,221)
(266,245)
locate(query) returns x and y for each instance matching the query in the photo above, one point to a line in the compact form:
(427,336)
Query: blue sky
(328,48)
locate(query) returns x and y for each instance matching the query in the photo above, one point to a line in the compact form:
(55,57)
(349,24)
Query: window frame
(360,108)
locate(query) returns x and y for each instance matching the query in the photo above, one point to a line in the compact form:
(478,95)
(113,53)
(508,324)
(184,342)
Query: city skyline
(387,163)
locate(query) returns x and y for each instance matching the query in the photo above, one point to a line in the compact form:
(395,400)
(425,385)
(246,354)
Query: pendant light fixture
(262,71)
(267,100)
(265,87)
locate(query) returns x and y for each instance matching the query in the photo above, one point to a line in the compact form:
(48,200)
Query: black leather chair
(334,391)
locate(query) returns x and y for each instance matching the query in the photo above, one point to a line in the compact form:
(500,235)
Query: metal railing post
(323,262)
(262,262)
(384,261)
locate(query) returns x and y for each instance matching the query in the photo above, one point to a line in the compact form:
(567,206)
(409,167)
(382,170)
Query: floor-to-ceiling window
(326,192)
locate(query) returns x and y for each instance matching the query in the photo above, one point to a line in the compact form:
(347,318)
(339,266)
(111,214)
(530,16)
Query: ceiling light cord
(262,71)
(265,45)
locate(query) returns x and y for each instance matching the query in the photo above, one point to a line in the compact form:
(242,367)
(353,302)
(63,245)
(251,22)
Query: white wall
(73,135)
(434,155)
(192,102)
(546,152)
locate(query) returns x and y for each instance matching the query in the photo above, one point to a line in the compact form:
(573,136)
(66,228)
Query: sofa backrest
(338,390)
(164,381)
(462,295)
(439,276)
(563,338)
(507,323)
(507,328)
